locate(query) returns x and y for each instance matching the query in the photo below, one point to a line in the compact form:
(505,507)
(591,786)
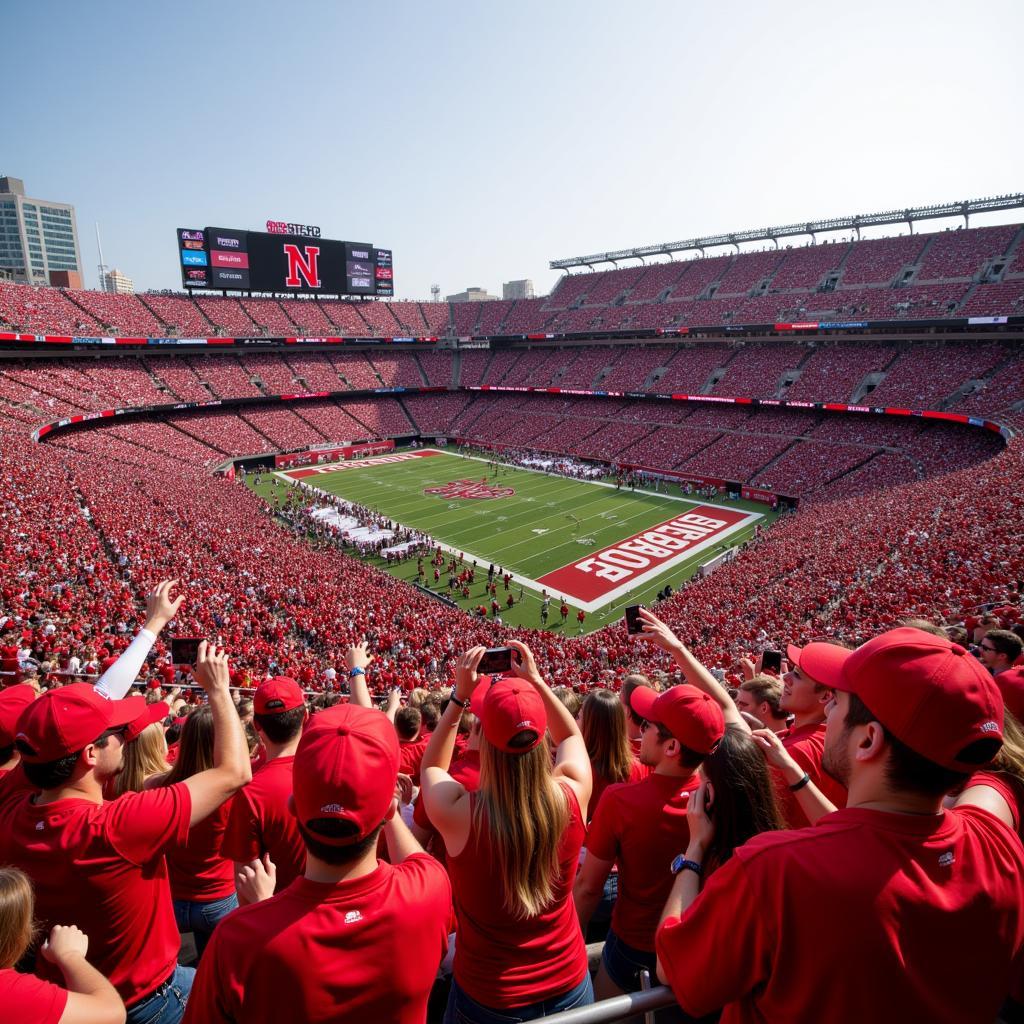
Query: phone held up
(634,624)
(185,649)
(771,661)
(495,660)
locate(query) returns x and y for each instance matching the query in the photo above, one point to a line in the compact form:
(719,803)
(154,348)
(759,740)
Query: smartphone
(185,649)
(634,624)
(496,660)
(771,661)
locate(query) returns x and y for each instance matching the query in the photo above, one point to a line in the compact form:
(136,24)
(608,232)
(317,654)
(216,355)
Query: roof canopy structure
(963,208)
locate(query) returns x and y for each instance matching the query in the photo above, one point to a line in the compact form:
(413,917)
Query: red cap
(277,695)
(64,721)
(345,769)
(13,702)
(689,714)
(1011,685)
(154,712)
(507,707)
(930,693)
(821,661)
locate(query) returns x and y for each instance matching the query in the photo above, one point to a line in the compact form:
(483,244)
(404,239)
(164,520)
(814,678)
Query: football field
(596,546)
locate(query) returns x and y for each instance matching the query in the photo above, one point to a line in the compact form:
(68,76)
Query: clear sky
(479,140)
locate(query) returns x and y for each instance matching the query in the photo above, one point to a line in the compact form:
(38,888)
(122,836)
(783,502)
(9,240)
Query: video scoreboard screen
(263,261)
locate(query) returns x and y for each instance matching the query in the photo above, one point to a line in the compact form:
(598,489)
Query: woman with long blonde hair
(512,845)
(87,998)
(145,751)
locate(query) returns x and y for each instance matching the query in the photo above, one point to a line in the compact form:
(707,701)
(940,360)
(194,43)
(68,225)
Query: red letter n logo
(306,266)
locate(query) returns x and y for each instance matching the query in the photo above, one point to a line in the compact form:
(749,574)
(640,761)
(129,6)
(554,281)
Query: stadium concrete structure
(879,383)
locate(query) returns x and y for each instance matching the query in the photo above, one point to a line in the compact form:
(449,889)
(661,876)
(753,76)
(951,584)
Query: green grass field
(529,534)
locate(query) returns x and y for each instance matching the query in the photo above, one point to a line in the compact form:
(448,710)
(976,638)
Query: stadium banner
(606,575)
(758,494)
(339,454)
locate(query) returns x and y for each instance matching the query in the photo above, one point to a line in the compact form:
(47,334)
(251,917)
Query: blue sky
(481,140)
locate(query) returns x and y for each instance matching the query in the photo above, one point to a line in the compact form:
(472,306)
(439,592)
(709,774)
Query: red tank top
(503,962)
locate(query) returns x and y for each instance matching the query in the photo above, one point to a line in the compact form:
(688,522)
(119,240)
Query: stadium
(495,659)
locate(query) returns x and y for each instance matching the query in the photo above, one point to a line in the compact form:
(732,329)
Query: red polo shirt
(866,916)
(642,826)
(322,953)
(260,822)
(101,867)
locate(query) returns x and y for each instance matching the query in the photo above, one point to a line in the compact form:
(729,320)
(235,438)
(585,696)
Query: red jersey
(642,827)
(260,822)
(101,867)
(638,771)
(197,870)
(806,745)
(503,962)
(322,953)
(866,916)
(24,997)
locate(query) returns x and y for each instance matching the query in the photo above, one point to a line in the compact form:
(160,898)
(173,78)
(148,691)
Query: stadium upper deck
(977,272)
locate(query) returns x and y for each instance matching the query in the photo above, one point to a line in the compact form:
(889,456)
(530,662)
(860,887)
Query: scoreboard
(263,261)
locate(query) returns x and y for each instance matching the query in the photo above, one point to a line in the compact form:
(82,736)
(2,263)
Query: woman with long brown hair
(513,845)
(603,724)
(145,751)
(87,998)
(202,881)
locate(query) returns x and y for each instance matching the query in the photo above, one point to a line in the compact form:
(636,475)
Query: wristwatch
(680,863)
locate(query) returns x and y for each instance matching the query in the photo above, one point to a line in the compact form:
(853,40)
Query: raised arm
(811,800)
(572,762)
(656,632)
(160,609)
(231,767)
(357,660)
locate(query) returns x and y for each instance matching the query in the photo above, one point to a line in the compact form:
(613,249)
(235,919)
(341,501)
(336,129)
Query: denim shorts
(624,963)
(463,1010)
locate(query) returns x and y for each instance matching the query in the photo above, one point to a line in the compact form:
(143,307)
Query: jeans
(167,1004)
(624,963)
(463,1010)
(202,918)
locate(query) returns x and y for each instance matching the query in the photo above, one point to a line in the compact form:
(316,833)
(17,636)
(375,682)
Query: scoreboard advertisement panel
(262,261)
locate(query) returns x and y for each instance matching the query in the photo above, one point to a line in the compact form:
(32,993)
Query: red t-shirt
(330,953)
(637,773)
(865,916)
(806,745)
(410,756)
(260,822)
(101,867)
(503,962)
(198,871)
(25,998)
(642,826)
(467,771)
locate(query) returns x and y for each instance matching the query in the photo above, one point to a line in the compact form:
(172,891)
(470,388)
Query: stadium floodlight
(961,208)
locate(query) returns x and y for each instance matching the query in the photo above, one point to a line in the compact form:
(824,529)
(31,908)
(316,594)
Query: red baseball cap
(278,695)
(346,767)
(66,720)
(1010,683)
(507,707)
(819,660)
(930,693)
(689,714)
(13,702)
(154,712)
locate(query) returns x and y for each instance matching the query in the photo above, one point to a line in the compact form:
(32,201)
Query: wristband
(464,704)
(356,671)
(680,863)
(800,784)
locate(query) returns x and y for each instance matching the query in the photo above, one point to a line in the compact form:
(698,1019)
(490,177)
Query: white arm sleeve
(117,680)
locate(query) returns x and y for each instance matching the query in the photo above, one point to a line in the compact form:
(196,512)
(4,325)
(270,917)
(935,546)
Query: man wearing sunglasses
(999,649)
(100,864)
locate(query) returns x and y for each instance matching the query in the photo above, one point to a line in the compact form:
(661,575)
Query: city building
(471,294)
(117,283)
(517,289)
(38,237)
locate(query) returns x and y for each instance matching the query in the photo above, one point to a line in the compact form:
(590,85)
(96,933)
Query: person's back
(503,961)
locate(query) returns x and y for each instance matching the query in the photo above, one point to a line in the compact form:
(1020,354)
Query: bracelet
(800,785)
(464,704)
(356,671)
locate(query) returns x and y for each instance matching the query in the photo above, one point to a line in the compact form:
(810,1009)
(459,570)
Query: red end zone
(383,460)
(604,575)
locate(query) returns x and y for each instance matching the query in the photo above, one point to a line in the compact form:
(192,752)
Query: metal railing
(620,1008)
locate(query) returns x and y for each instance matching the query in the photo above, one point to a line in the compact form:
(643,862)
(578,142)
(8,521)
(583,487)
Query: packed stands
(228,316)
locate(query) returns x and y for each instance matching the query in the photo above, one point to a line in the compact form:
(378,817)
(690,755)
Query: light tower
(102,267)
(435,292)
